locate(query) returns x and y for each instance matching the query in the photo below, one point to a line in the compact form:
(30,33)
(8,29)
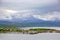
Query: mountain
(30,22)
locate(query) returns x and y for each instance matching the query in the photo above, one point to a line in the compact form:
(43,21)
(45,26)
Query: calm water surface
(40,36)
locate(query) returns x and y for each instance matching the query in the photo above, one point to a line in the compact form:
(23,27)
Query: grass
(36,29)
(32,31)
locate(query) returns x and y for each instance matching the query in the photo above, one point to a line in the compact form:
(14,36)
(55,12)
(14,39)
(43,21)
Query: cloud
(6,14)
(24,9)
(26,14)
(23,14)
(31,1)
(22,4)
(52,16)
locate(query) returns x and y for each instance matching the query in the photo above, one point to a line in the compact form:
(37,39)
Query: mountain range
(32,22)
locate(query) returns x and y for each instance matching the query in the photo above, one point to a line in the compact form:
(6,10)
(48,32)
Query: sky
(48,10)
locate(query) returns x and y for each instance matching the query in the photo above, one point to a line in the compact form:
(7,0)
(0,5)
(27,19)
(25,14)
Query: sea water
(40,36)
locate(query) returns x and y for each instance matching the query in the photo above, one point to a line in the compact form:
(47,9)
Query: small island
(29,31)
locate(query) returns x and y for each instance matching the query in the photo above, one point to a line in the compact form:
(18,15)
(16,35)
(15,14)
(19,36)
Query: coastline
(26,28)
(30,30)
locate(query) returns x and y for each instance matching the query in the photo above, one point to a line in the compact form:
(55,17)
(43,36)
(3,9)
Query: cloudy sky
(24,9)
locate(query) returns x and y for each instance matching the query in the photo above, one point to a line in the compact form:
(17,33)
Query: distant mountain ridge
(31,23)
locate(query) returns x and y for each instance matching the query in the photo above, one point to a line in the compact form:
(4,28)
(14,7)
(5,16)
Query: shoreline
(31,30)
(25,33)
(26,28)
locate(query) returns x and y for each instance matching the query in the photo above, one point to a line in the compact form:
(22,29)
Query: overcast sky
(25,9)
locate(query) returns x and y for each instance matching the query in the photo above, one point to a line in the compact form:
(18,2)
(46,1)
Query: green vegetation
(9,29)
(36,29)
(29,31)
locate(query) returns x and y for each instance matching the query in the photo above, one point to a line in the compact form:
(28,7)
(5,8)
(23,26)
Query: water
(40,36)
(26,28)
